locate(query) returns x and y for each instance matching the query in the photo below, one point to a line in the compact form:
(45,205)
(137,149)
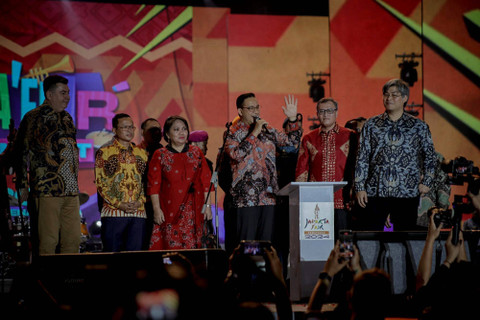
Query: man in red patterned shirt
(328,154)
(250,145)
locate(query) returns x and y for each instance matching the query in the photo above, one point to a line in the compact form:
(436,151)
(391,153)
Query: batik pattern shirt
(393,156)
(254,173)
(46,144)
(118,175)
(328,156)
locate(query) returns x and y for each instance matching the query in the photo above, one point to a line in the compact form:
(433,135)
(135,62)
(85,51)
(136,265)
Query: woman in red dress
(178,182)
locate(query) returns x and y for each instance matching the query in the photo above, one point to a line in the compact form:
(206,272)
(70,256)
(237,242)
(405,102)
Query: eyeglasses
(326,111)
(127,128)
(394,95)
(251,109)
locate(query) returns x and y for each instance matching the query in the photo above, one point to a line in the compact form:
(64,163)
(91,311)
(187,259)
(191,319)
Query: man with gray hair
(395,163)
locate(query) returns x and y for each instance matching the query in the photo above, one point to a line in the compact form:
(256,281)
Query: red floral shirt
(252,159)
(327,156)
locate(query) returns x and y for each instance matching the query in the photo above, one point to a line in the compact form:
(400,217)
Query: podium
(311,209)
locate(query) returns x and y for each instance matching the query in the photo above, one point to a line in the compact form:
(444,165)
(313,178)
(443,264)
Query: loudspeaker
(398,253)
(97,284)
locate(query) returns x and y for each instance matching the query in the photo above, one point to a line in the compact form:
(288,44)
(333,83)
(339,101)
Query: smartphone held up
(346,244)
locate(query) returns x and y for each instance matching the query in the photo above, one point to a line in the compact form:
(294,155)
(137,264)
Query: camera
(444,216)
(460,170)
(449,218)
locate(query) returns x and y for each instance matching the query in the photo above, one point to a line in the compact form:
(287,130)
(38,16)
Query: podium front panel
(316,221)
(312,236)
(311,210)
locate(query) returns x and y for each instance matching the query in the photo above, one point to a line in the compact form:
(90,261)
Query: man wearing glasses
(395,163)
(119,169)
(251,144)
(328,154)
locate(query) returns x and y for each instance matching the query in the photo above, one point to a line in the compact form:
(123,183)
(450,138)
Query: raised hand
(290,108)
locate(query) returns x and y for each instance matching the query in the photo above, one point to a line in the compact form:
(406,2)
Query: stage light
(96,228)
(317,91)
(408,73)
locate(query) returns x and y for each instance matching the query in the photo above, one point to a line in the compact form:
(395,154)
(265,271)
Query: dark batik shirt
(393,156)
(46,144)
(252,159)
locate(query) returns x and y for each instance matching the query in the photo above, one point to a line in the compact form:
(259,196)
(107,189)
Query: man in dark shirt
(46,144)
(395,164)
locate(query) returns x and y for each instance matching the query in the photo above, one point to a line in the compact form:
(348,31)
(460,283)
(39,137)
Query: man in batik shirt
(119,170)
(328,154)
(250,145)
(396,163)
(48,165)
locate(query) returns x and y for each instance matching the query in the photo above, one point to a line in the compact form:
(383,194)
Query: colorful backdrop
(156,60)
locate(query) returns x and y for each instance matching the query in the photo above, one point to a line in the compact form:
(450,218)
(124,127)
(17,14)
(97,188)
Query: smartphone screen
(254,248)
(346,243)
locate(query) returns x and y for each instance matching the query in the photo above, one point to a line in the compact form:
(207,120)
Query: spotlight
(96,228)
(408,73)
(317,91)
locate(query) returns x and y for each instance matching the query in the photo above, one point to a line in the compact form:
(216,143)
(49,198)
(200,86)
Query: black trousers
(403,213)
(148,225)
(255,223)
(230,224)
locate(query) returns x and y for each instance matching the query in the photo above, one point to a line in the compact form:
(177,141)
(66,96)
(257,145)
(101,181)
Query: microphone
(264,126)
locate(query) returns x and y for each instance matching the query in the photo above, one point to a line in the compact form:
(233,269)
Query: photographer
(334,265)
(453,290)
(248,285)
(437,196)
(368,297)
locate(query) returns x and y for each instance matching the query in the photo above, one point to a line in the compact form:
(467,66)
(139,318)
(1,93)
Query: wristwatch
(324,276)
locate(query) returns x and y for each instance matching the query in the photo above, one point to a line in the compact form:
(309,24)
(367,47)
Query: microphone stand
(214,183)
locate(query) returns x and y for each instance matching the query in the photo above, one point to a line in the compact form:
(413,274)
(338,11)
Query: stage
(92,284)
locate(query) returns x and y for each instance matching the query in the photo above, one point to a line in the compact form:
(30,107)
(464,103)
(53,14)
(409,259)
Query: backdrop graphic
(133,59)
(155,61)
